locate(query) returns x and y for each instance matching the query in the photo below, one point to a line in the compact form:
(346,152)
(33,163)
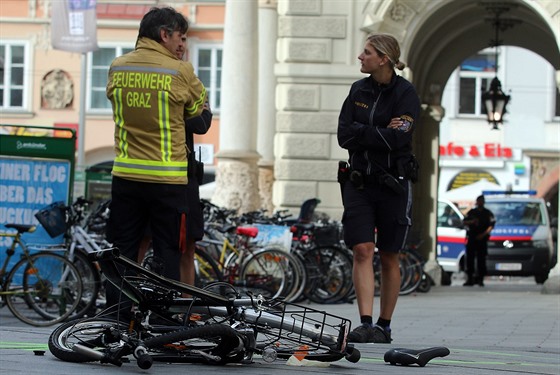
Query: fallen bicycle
(214,326)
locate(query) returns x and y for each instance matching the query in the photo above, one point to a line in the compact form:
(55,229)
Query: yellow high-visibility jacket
(152,93)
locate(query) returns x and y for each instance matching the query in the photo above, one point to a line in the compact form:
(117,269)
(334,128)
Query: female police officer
(375,125)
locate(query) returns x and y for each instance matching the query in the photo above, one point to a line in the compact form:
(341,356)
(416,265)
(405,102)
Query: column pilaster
(237,172)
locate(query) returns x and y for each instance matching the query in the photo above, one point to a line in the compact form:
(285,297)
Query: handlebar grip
(144,361)
(98,356)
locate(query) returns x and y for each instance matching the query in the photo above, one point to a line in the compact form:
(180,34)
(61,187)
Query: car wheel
(541,278)
(446,278)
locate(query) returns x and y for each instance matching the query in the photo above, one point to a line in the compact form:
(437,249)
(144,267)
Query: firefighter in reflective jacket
(152,92)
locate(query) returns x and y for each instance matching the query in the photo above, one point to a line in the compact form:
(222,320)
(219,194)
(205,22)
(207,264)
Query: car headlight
(540,244)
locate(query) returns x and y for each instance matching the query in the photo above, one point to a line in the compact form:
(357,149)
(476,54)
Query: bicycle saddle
(405,357)
(21,228)
(248,231)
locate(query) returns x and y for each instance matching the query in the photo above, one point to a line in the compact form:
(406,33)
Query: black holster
(195,169)
(408,168)
(343,174)
(388,180)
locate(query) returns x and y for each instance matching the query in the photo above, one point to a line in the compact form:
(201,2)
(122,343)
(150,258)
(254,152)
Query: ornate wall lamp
(494,100)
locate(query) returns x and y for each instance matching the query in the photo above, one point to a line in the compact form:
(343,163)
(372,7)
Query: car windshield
(447,217)
(516,213)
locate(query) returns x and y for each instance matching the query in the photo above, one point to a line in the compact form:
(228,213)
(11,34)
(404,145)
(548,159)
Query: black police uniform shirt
(363,121)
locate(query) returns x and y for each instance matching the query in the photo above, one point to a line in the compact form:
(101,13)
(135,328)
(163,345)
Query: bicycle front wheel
(43,289)
(94,333)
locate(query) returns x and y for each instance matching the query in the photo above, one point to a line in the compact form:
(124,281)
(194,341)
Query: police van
(451,239)
(520,244)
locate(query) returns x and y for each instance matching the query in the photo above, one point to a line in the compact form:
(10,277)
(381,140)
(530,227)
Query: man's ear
(163,34)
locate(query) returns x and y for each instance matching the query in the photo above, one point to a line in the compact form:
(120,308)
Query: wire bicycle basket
(53,218)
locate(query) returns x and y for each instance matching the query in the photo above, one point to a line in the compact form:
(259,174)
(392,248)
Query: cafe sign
(494,151)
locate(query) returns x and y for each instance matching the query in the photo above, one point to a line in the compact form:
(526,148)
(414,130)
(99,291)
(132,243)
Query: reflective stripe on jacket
(152,93)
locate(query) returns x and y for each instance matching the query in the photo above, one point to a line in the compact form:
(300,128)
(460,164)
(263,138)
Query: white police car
(520,243)
(451,235)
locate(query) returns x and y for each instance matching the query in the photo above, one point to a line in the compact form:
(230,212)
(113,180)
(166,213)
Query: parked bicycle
(328,263)
(322,264)
(240,261)
(411,265)
(42,288)
(80,236)
(216,325)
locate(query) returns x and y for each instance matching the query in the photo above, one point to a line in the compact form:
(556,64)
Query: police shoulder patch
(407,122)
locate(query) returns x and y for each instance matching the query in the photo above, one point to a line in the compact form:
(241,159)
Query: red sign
(65,133)
(488,150)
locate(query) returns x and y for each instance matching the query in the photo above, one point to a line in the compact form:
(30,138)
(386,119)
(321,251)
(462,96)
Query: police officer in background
(479,221)
(153,93)
(375,125)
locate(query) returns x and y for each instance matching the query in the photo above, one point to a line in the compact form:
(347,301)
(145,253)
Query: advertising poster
(26,186)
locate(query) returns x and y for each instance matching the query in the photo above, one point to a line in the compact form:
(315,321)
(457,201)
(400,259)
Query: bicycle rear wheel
(269,272)
(411,270)
(295,272)
(43,289)
(412,266)
(206,269)
(329,272)
(91,282)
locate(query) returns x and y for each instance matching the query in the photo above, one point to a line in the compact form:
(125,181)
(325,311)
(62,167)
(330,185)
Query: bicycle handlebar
(95,355)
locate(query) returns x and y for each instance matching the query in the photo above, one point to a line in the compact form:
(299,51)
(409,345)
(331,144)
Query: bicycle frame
(108,258)
(10,251)
(227,248)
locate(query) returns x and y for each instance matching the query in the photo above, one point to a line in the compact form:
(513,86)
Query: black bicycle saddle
(405,357)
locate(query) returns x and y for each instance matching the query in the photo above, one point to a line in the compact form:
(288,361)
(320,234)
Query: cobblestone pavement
(506,327)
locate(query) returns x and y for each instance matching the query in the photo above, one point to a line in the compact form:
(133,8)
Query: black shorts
(377,214)
(194,216)
(195,219)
